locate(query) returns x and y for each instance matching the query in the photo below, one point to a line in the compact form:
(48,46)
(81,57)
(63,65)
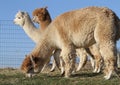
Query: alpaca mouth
(31,73)
(14,22)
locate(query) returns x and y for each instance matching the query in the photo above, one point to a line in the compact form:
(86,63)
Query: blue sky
(14,42)
(10,7)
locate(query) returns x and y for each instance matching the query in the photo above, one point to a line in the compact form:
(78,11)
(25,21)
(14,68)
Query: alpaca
(37,13)
(95,58)
(23,19)
(76,29)
(42,17)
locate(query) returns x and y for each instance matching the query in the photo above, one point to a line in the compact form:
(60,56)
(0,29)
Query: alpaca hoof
(106,77)
(95,71)
(63,73)
(73,71)
(67,76)
(52,70)
(98,71)
(77,70)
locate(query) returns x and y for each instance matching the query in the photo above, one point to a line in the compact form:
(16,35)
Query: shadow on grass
(77,75)
(86,74)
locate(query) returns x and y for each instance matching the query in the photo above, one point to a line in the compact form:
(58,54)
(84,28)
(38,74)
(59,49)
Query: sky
(10,7)
(12,46)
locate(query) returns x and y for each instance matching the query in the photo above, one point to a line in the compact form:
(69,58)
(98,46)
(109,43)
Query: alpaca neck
(43,49)
(118,30)
(31,30)
(44,24)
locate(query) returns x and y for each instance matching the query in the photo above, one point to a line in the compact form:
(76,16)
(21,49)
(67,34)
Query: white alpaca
(76,29)
(23,19)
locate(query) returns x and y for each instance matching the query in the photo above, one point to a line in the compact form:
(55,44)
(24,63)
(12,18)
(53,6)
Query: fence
(14,44)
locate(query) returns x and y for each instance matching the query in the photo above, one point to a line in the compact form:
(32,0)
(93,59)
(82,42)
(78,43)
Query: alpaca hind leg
(92,61)
(56,60)
(98,64)
(83,58)
(108,51)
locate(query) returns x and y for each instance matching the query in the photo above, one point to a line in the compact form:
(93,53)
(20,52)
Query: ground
(10,76)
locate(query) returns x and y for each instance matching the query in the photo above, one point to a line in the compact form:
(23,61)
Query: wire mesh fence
(14,44)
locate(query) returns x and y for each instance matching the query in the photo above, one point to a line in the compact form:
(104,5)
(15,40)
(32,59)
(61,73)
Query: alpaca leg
(97,57)
(98,63)
(92,62)
(53,66)
(57,58)
(108,51)
(68,55)
(62,66)
(83,58)
(45,65)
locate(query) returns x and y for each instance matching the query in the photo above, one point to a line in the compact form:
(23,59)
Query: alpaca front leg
(53,66)
(62,65)
(92,61)
(69,59)
(45,65)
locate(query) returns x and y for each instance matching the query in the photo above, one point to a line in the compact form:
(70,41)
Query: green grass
(15,77)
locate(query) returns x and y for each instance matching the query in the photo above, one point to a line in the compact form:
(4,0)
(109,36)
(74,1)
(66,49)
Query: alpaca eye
(19,17)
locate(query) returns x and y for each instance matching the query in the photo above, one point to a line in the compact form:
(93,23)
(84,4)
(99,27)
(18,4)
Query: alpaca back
(78,26)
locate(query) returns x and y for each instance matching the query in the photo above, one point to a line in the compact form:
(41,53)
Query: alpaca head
(40,14)
(20,18)
(31,65)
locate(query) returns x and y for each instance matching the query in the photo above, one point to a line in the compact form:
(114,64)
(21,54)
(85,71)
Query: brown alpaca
(76,29)
(42,17)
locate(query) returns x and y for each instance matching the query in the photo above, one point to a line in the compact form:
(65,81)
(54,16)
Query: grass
(11,76)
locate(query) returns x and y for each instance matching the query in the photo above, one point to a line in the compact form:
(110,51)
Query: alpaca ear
(44,10)
(45,7)
(19,11)
(25,55)
(26,13)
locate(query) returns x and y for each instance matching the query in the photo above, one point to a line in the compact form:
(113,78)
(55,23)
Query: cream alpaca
(76,29)
(39,17)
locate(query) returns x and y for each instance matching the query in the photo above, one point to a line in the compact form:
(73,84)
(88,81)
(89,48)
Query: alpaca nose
(14,21)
